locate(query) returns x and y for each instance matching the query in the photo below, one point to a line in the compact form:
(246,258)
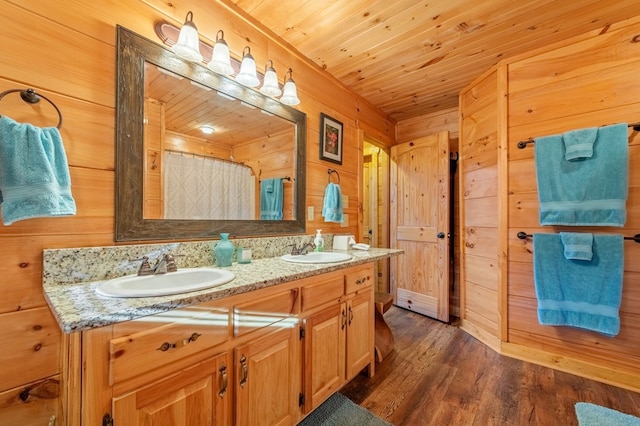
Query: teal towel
(332,207)
(578,293)
(271,199)
(578,144)
(589,192)
(577,246)
(34,174)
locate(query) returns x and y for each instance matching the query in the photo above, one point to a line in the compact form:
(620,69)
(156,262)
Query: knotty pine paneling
(587,83)
(69,55)
(479,210)
(32,347)
(414,128)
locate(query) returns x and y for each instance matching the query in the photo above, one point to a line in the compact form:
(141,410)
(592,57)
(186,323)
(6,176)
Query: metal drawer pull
(350,315)
(245,372)
(224,381)
(166,345)
(344,319)
(362,280)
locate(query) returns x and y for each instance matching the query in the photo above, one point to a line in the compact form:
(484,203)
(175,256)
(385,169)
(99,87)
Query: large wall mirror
(176,181)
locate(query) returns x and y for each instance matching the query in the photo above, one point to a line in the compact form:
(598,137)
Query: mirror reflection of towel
(271,199)
(332,208)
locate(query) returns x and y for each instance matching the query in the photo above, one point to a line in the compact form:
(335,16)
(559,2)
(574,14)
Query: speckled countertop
(70,291)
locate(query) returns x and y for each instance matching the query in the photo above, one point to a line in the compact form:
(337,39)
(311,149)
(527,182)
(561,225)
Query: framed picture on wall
(330,139)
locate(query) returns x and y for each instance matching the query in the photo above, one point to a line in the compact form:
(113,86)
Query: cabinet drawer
(358,279)
(169,337)
(264,312)
(316,294)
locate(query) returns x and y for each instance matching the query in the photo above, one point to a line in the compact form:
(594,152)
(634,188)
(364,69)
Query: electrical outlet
(345,221)
(345,201)
(310,213)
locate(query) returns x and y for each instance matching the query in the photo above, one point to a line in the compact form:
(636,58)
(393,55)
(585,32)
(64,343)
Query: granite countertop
(77,307)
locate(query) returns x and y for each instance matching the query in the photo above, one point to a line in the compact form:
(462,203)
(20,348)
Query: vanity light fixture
(270,86)
(290,93)
(247,75)
(188,45)
(220,58)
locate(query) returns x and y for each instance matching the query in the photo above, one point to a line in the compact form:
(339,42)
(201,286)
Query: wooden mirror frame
(133,51)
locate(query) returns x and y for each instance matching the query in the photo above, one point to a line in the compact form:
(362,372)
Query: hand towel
(590,192)
(332,206)
(577,293)
(578,144)
(577,245)
(34,174)
(271,199)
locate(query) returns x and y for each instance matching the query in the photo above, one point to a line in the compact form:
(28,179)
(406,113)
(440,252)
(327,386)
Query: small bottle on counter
(319,241)
(243,255)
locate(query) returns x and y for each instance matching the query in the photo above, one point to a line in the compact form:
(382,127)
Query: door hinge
(301,333)
(107,420)
(301,400)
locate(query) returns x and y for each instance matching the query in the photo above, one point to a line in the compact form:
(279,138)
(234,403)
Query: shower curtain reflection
(207,188)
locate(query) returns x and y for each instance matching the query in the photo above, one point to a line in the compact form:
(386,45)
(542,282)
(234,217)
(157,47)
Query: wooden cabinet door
(324,354)
(197,396)
(360,334)
(267,380)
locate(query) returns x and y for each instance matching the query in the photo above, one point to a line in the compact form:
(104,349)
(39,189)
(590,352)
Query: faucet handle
(145,267)
(170,260)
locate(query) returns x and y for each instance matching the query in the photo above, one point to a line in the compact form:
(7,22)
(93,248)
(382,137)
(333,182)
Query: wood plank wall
(590,82)
(480,307)
(587,81)
(68,54)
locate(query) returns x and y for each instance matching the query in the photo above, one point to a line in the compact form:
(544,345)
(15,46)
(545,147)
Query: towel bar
(523,236)
(523,144)
(30,96)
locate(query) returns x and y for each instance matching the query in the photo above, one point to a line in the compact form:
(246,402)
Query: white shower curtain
(207,188)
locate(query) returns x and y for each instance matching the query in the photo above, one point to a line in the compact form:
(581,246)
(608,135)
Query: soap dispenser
(319,241)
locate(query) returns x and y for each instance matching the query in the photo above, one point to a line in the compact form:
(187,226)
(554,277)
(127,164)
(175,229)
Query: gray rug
(595,415)
(339,410)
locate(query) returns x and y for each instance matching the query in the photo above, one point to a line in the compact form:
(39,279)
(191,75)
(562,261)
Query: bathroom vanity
(266,348)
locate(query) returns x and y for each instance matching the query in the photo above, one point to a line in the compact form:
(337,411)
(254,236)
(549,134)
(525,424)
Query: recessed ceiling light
(207,130)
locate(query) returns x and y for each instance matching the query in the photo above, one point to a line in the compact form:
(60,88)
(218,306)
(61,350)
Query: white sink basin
(317,257)
(181,281)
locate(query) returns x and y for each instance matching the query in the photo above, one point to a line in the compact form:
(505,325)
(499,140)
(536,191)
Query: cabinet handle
(224,381)
(362,280)
(245,372)
(166,345)
(350,315)
(344,319)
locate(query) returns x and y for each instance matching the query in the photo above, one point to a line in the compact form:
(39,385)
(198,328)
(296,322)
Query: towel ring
(30,96)
(333,171)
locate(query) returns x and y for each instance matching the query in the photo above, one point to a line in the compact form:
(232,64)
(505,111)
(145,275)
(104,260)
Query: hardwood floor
(440,375)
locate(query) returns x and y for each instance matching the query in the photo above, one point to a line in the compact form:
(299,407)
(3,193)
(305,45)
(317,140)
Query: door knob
(440,235)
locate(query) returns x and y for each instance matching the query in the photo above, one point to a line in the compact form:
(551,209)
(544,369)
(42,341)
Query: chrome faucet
(165,263)
(302,250)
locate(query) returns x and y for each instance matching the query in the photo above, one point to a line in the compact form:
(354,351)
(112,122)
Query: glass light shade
(188,44)
(247,75)
(290,93)
(270,86)
(220,60)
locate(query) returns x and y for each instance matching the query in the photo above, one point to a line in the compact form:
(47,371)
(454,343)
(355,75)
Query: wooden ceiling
(412,57)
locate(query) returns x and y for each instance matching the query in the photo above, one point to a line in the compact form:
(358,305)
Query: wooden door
(265,375)
(197,396)
(360,334)
(324,354)
(420,225)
